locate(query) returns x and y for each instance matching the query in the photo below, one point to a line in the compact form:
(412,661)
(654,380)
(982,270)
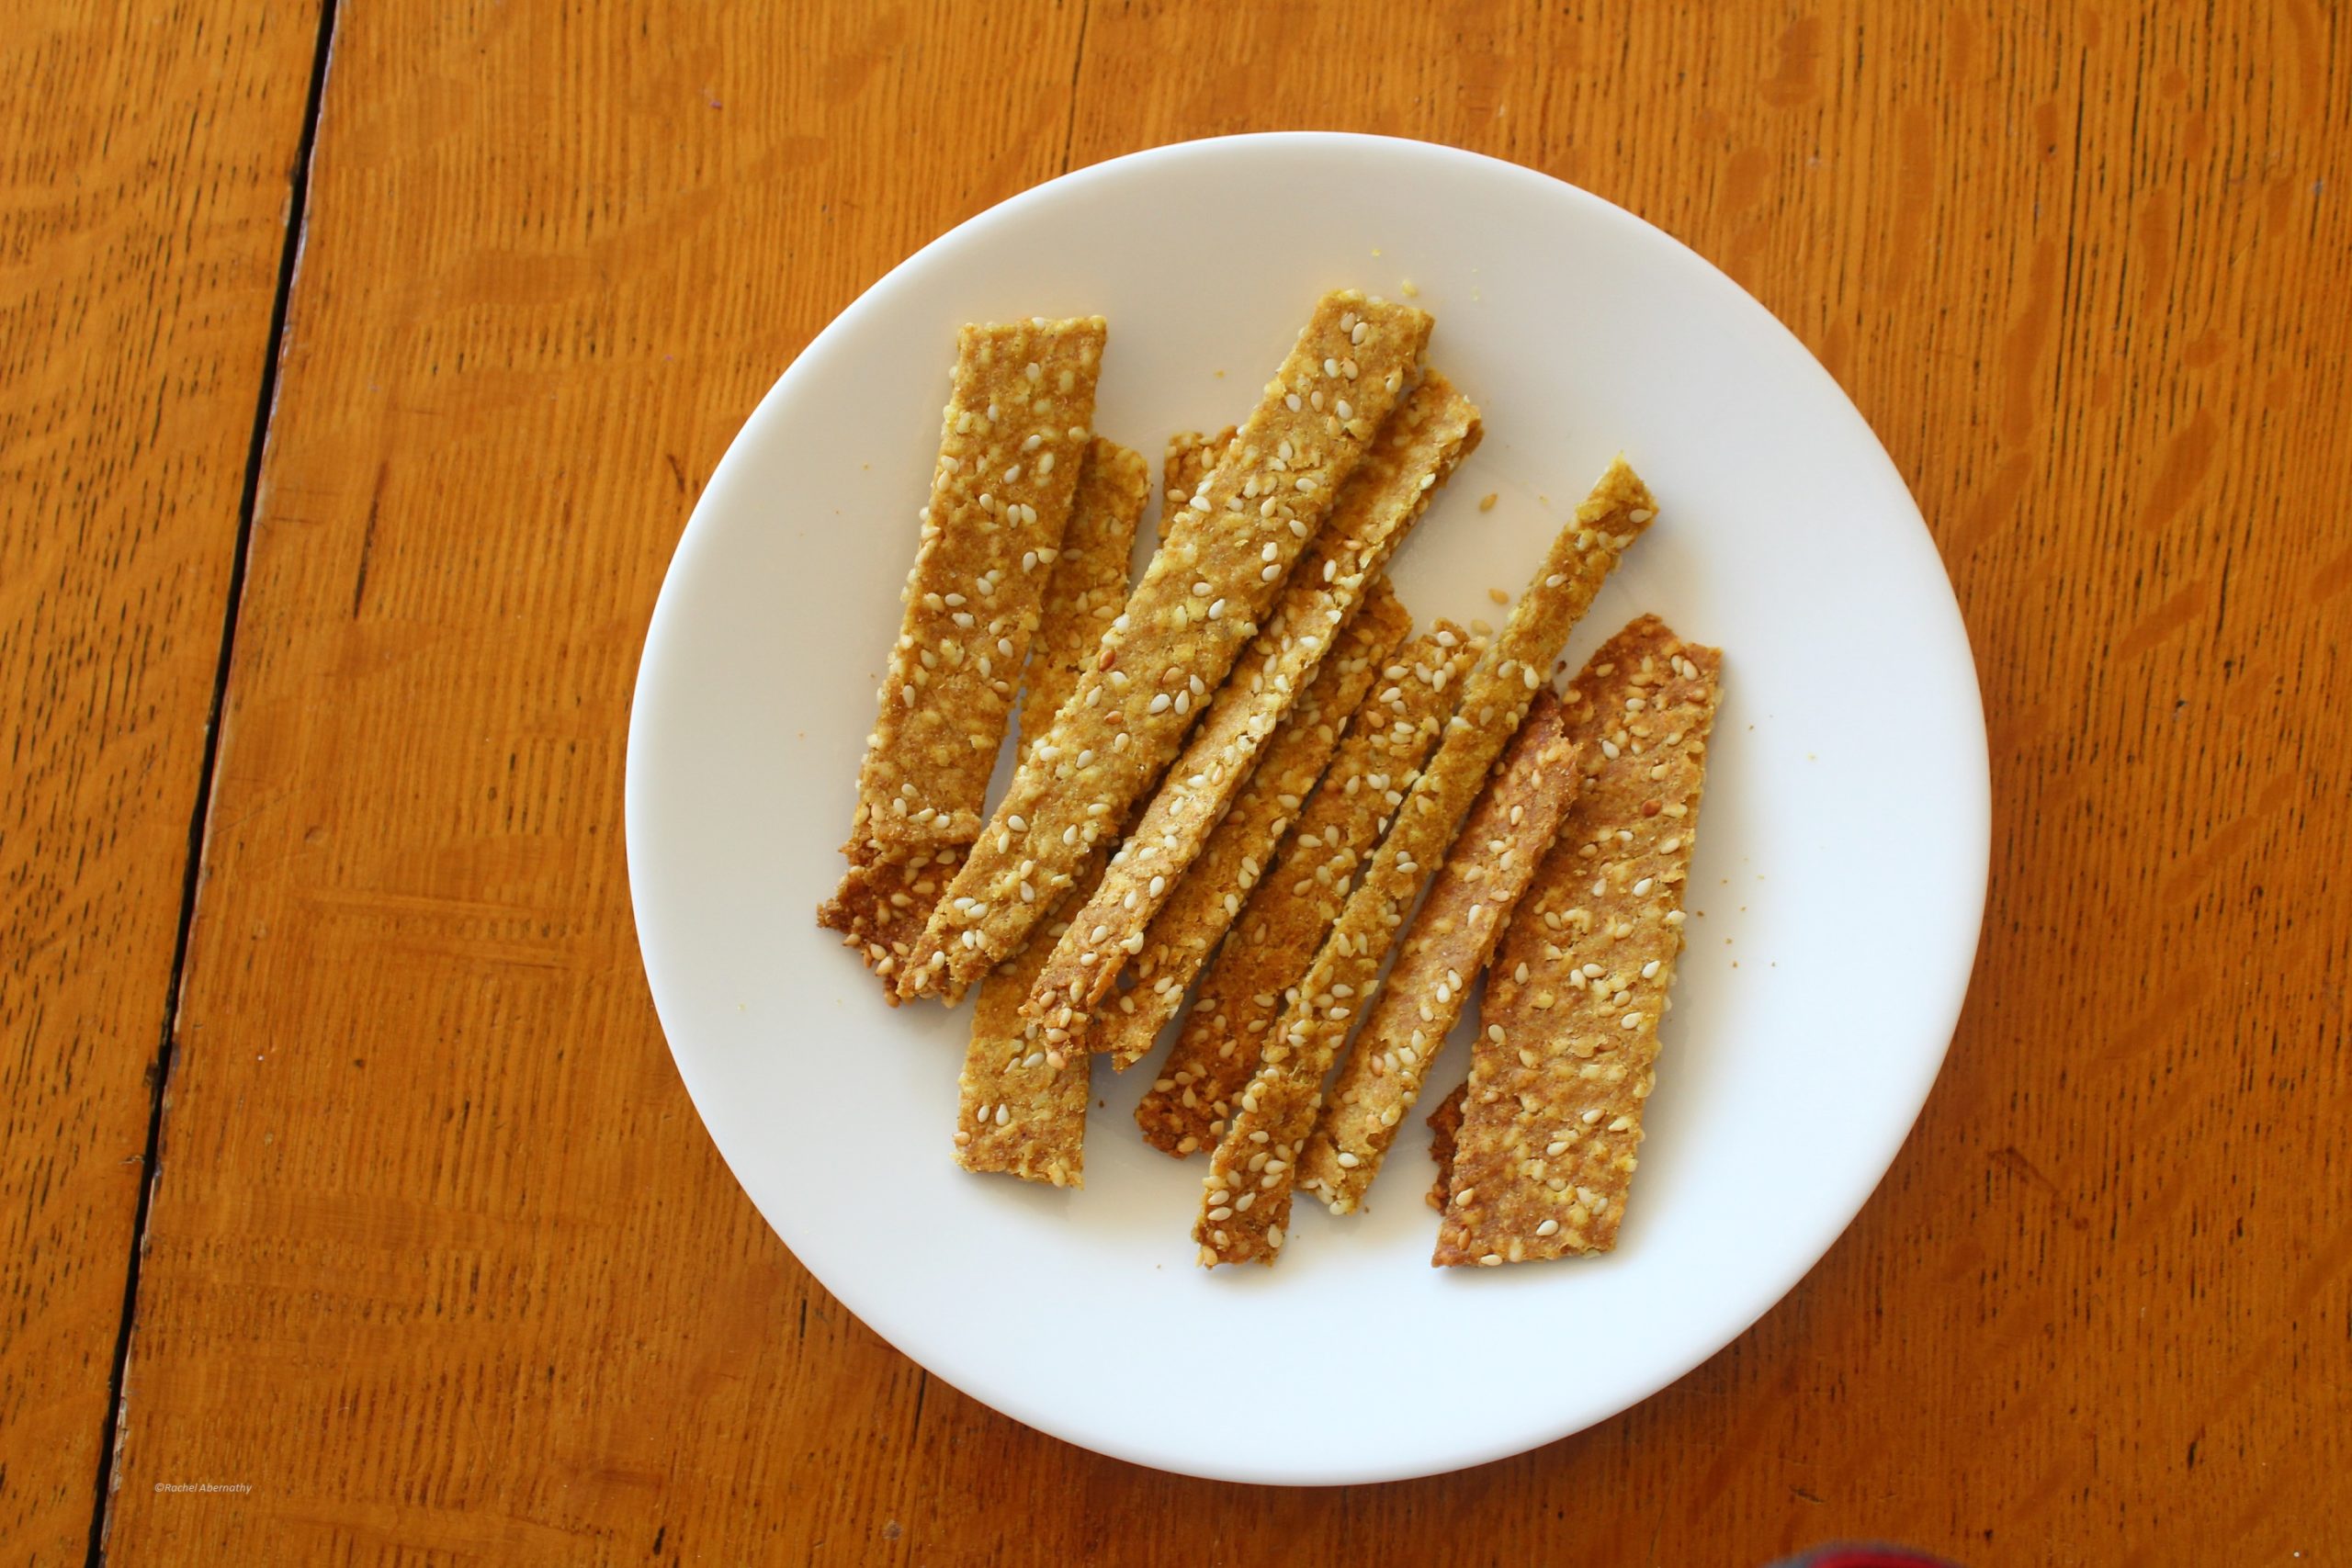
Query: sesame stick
(1279,929)
(996,514)
(1469,902)
(1276,1110)
(1418,447)
(1021,1101)
(1191,458)
(1553,1115)
(1022,1098)
(1445,1128)
(887,896)
(1202,908)
(1089,582)
(1133,707)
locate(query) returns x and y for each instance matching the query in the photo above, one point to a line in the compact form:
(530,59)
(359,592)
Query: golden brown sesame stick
(887,894)
(1202,910)
(1021,1105)
(1553,1111)
(1089,585)
(886,899)
(1218,569)
(1452,934)
(1014,438)
(1190,458)
(1277,1110)
(1282,923)
(1413,454)
(1022,1108)
(1445,1127)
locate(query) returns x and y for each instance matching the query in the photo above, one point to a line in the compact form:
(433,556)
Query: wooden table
(361,367)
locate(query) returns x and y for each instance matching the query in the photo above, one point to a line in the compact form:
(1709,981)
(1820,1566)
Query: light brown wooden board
(145,172)
(492,1292)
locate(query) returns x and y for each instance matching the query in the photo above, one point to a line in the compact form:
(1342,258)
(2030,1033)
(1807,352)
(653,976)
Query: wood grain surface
(441,1265)
(146,165)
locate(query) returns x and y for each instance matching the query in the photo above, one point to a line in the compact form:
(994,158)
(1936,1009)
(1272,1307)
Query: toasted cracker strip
(1015,439)
(1433,430)
(1202,910)
(1218,569)
(1445,1130)
(1011,454)
(1023,1109)
(1279,929)
(1469,902)
(1021,1105)
(889,892)
(1277,1110)
(1554,1113)
(886,899)
(1191,459)
(1089,584)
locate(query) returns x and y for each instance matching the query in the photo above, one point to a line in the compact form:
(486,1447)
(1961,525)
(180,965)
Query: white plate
(1836,899)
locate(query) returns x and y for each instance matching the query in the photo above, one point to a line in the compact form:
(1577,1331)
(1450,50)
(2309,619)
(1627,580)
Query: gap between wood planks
(200,813)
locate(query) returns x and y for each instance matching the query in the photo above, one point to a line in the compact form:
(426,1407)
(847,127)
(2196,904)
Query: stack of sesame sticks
(1245,781)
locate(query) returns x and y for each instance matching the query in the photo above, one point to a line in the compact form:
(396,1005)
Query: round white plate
(1835,902)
